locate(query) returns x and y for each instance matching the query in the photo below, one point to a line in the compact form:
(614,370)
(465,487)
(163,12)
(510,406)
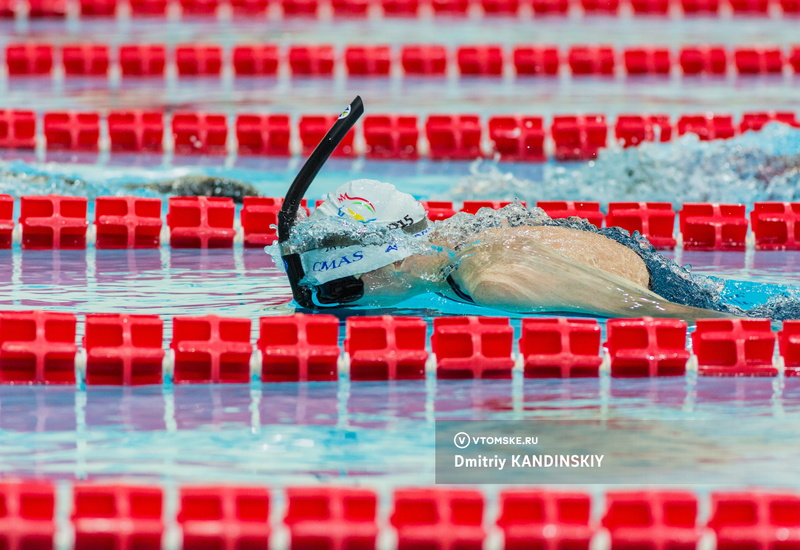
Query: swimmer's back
(590,249)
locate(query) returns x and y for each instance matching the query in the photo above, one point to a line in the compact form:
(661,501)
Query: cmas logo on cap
(345,113)
(358,208)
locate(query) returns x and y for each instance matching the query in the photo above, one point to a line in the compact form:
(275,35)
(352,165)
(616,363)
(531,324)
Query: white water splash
(756,166)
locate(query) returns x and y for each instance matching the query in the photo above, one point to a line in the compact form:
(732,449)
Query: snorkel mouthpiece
(339,291)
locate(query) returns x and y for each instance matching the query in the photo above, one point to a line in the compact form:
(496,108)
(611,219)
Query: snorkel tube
(339,291)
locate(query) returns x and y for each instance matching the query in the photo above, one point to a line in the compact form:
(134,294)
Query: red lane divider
(652,519)
(37,347)
(480,60)
(632,130)
(17,129)
(707,127)
(439,210)
(359,9)
(128,222)
(70,131)
(579,137)
(472,207)
(201,222)
(198,59)
(535,60)
(560,348)
(53,221)
(224,517)
(734,347)
(416,60)
(758,60)
(311,60)
(368,60)
(472,347)
(130,516)
(117,516)
(123,349)
(789,346)
(386,348)
(424,60)
(258,215)
(647,347)
(537,518)
(591,60)
(331,517)
(438,518)
(703,60)
(713,226)
(775,225)
(211,349)
(267,135)
(312,129)
(136,131)
(299,348)
(255,60)
(29,59)
(85,59)
(391,137)
(142,60)
(755,520)
(27,514)
(454,136)
(6,220)
(517,138)
(46,9)
(654,220)
(588,210)
(200,133)
(756,121)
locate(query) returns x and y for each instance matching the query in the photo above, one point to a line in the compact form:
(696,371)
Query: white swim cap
(373,203)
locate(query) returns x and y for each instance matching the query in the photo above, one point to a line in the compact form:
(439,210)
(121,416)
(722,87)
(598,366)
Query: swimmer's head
(365,225)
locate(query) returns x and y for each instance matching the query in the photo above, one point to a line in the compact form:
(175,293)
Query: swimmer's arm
(531,277)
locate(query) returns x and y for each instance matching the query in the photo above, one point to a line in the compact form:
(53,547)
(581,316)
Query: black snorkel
(339,291)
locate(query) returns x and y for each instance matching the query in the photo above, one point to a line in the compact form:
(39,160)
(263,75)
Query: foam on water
(756,166)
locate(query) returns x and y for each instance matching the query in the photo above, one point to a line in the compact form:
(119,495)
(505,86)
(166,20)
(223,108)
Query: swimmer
(370,244)
(201,186)
(193,185)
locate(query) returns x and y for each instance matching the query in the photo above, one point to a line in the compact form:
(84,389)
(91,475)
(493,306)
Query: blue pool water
(380,434)
(375,434)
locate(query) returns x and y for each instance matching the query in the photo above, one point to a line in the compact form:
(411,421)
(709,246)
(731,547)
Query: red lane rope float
(117,516)
(560,348)
(652,519)
(224,517)
(514,138)
(125,516)
(39,347)
(331,517)
(59,222)
(211,349)
(525,61)
(360,9)
(27,514)
(386,348)
(124,349)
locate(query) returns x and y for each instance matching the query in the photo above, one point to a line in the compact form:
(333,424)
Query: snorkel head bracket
(339,291)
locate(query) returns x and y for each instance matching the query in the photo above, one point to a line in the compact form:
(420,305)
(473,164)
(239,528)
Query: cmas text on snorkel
(530,461)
